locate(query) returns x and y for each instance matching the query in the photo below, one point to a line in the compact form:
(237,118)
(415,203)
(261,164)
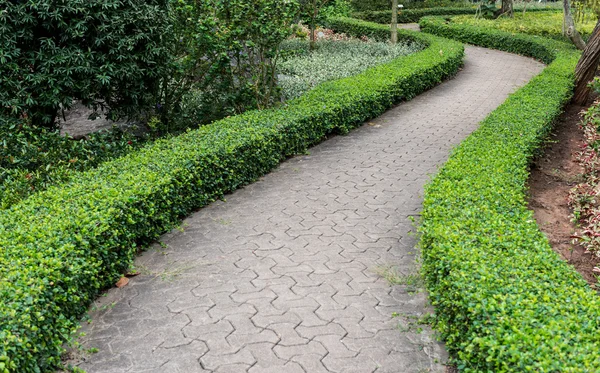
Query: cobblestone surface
(286,276)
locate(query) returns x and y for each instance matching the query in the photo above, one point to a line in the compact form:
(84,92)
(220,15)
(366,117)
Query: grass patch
(547,24)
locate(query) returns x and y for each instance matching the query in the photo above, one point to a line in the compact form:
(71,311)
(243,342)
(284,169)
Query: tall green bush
(225,51)
(414,15)
(106,53)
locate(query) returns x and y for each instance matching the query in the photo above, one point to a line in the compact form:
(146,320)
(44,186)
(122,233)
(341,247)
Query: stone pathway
(286,276)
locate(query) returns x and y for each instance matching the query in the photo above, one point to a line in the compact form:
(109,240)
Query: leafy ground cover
(505,301)
(34,158)
(548,24)
(62,246)
(333,59)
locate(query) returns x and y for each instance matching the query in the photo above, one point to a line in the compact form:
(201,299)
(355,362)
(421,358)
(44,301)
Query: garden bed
(505,301)
(62,246)
(553,176)
(331,60)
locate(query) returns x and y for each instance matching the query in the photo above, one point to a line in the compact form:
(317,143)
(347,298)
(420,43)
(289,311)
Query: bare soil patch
(553,174)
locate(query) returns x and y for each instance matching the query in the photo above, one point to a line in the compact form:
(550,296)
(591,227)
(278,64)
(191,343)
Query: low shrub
(414,15)
(332,60)
(505,301)
(543,49)
(370,30)
(33,158)
(60,247)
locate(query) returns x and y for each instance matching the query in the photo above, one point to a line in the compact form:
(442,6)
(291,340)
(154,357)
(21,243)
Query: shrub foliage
(225,56)
(62,246)
(105,53)
(505,301)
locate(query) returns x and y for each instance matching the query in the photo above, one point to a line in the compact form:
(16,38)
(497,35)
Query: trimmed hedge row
(414,15)
(505,301)
(62,246)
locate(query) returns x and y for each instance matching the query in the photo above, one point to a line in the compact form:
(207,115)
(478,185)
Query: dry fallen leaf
(122,282)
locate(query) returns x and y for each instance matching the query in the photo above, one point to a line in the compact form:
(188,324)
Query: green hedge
(414,15)
(505,301)
(62,246)
(543,49)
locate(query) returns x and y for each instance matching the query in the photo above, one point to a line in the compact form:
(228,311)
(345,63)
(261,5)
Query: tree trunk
(586,67)
(313,26)
(569,28)
(394,21)
(507,8)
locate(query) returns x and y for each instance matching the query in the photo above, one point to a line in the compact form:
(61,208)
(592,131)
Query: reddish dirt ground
(553,174)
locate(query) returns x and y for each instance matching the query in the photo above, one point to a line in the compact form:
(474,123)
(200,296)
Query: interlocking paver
(283,276)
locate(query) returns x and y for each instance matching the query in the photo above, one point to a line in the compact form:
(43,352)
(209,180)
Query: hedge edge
(505,301)
(62,246)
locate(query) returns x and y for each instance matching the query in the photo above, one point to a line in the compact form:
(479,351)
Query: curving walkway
(285,275)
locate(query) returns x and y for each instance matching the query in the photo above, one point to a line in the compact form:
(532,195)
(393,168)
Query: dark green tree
(107,53)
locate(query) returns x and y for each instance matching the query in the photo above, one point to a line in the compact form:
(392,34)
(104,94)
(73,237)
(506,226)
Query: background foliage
(105,53)
(548,24)
(225,56)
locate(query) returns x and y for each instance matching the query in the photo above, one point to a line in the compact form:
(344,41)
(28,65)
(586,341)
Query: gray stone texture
(283,276)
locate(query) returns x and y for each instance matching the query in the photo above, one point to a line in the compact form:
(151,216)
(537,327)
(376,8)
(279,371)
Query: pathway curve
(285,275)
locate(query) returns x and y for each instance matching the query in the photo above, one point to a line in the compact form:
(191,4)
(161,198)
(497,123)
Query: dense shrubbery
(332,60)
(548,24)
(505,301)
(215,61)
(105,53)
(225,57)
(56,256)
